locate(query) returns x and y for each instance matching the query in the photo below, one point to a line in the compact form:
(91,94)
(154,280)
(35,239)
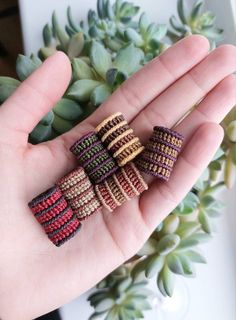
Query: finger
(163,197)
(213,108)
(140,89)
(36,95)
(172,104)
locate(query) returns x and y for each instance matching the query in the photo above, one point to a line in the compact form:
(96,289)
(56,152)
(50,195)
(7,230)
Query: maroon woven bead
(55,215)
(160,153)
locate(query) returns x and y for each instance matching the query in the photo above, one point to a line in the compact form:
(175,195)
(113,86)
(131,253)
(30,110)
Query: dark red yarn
(55,215)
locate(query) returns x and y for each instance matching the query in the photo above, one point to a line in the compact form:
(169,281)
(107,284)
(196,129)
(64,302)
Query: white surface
(212,295)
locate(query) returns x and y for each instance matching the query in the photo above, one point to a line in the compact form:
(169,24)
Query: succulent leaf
(128,59)
(76,45)
(68,109)
(47,119)
(167,244)
(7,87)
(25,66)
(100,94)
(100,59)
(61,125)
(81,90)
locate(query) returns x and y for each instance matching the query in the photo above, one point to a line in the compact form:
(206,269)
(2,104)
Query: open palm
(36,276)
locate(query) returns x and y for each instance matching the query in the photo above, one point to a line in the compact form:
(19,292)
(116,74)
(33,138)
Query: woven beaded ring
(123,185)
(161,153)
(55,215)
(119,138)
(94,157)
(79,193)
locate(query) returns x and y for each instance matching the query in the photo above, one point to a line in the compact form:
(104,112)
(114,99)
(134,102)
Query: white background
(212,295)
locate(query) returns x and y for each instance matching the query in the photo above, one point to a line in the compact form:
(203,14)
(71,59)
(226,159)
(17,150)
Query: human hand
(36,276)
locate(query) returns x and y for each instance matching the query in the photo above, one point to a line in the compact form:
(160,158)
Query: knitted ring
(94,157)
(161,153)
(123,185)
(119,138)
(55,215)
(79,193)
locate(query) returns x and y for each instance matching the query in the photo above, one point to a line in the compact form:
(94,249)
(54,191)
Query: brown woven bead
(79,192)
(119,138)
(94,157)
(161,152)
(124,185)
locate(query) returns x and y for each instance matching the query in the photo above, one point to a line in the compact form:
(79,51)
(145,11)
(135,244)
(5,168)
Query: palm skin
(36,276)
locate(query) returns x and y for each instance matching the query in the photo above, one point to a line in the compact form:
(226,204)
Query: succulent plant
(194,21)
(120,297)
(112,45)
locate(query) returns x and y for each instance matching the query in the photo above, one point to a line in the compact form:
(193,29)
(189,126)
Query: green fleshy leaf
(167,244)
(195,13)
(143,23)
(7,87)
(231,131)
(68,109)
(138,268)
(168,279)
(175,264)
(187,266)
(81,70)
(128,59)
(61,125)
(176,25)
(25,66)
(72,23)
(182,11)
(47,35)
(76,45)
(104,305)
(112,314)
(205,222)
(171,224)
(195,256)
(100,94)
(234,153)
(96,316)
(100,59)
(187,228)
(81,90)
(123,285)
(115,77)
(96,297)
(59,33)
(154,265)
(133,36)
(40,133)
(45,52)
(47,119)
(149,247)
(160,32)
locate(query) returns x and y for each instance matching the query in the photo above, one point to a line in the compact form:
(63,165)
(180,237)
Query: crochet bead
(55,215)
(79,193)
(94,157)
(119,138)
(161,153)
(123,185)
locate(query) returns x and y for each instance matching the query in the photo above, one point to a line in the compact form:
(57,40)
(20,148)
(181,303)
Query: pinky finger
(163,197)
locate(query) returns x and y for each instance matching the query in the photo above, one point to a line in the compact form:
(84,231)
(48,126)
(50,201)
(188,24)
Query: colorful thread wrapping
(94,157)
(119,138)
(55,215)
(161,153)
(123,185)
(79,193)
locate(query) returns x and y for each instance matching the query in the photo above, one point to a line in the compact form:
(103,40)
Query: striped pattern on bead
(161,153)
(123,185)
(94,157)
(79,193)
(55,215)
(119,138)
